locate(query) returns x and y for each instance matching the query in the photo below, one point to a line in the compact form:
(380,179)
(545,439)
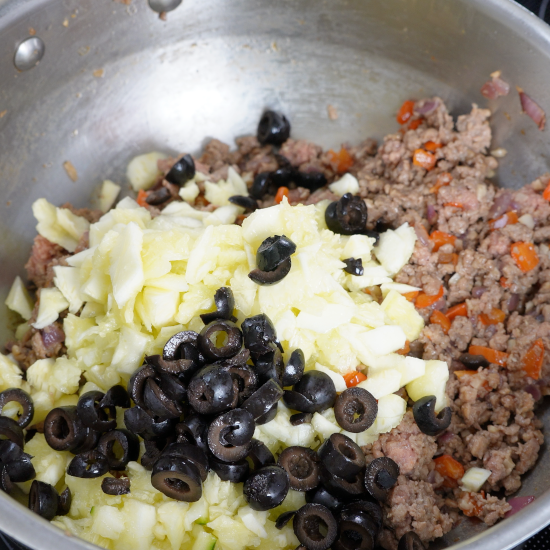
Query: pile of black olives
(196,407)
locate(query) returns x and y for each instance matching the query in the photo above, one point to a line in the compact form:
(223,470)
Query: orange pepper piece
(405,349)
(141,198)
(525,256)
(343,160)
(476,508)
(510,218)
(442,180)
(439,238)
(354,378)
(410,296)
(438,318)
(492,355)
(454,204)
(432,146)
(424,159)
(533,359)
(504,282)
(414,124)
(281,192)
(405,112)
(459,310)
(496,316)
(426,300)
(546,193)
(455,259)
(447,466)
(461,373)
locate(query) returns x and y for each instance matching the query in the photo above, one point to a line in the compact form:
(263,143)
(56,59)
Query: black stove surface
(540,541)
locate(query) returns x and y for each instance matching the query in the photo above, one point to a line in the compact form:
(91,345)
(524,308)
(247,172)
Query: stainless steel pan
(115,80)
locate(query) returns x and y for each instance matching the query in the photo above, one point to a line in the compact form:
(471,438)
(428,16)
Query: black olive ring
(24,399)
(315,527)
(355,409)
(380,476)
(427,419)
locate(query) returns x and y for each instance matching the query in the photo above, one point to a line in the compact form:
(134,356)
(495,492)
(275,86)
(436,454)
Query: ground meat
(44,257)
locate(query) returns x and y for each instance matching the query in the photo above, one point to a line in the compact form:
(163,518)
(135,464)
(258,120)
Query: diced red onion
(513,302)
(495,87)
(432,477)
(501,205)
(431,214)
(534,390)
(422,234)
(532,109)
(517,504)
(501,222)
(52,335)
(445,438)
(477,291)
(427,107)
(440,304)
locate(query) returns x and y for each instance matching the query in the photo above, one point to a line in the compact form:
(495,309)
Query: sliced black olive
(136,384)
(237,360)
(153,451)
(273,252)
(473,362)
(355,409)
(372,509)
(182,171)
(315,392)
(229,436)
(356,531)
(380,476)
(158,404)
(284,518)
(310,180)
(268,416)
(9,451)
(158,196)
(9,429)
(347,489)
(273,128)
(211,390)
(347,216)
(427,419)
(94,416)
(247,380)
(236,472)
(172,348)
(248,203)
(270,365)
(271,277)
(261,186)
(6,484)
(88,443)
(263,399)
(266,488)
(354,266)
(142,424)
(127,442)
(302,466)
(174,388)
(410,541)
(63,429)
(300,418)
(43,499)
(198,428)
(294,369)
(226,330)
(381,226)
(320,495)
(115,486)
(189,452)
(21,469)
(260,455)
(64,502)
(88,465)
(283,176)
(117,396)
(177,479)
(373,235)
(315,527)
(24,399)
(341,456)
(258,334)
(225,304)
(175,367)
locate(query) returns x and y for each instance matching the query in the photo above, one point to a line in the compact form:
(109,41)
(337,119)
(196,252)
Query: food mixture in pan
(279,346)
